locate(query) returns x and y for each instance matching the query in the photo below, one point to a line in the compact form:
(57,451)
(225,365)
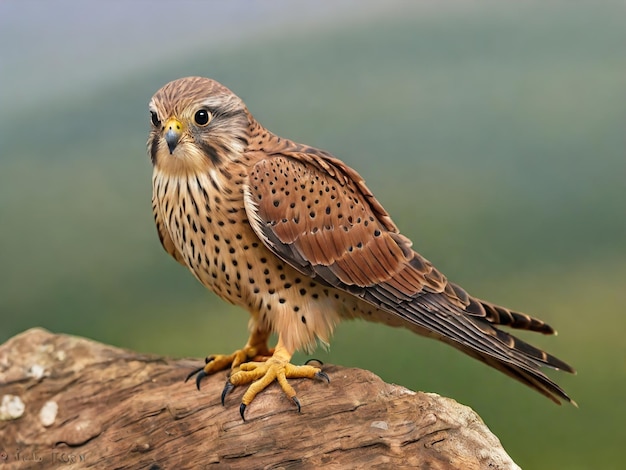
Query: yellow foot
(255,350)
(262,374)
(218,362)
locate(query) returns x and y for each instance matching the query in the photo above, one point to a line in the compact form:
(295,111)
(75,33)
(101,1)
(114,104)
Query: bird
(293,235)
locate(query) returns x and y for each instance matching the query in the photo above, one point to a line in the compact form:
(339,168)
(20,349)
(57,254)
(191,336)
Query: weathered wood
(98,406)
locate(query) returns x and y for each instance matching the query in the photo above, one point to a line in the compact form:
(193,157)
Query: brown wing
(164,237)
(316,214)
(328,224)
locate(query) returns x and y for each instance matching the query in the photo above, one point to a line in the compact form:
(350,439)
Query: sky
(55,48)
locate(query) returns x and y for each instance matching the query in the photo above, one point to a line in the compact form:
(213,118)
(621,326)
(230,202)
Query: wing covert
(318,215)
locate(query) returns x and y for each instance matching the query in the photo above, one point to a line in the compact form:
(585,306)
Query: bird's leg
(262,374)
(255,350)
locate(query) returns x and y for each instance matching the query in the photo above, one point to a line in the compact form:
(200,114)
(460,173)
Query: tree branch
(71,400)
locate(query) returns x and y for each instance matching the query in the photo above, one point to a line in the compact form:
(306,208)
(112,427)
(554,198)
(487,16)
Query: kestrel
(293,235)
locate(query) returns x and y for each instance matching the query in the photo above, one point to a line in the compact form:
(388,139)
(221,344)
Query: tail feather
(534,379)
(475,333)
(497,314)
(532,351)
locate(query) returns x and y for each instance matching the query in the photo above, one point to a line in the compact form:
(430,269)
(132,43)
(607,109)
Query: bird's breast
(204,216)
(208,224)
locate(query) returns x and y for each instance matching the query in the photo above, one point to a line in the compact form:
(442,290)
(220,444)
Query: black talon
(227,389)
(199,377)
(242,410)
(321,375)
(193,373)
(297,402)
(313,359)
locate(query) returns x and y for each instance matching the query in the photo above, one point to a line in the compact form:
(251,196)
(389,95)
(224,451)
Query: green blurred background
(493,132)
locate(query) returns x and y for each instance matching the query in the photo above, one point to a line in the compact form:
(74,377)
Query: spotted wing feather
(316,214)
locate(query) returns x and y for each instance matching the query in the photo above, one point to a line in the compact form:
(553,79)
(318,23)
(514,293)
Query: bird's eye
(202,117)
(155,119)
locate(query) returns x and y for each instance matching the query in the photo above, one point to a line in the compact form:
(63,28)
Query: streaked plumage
(293,235)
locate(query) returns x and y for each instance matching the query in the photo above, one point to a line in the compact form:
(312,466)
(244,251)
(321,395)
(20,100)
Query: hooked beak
(173,132)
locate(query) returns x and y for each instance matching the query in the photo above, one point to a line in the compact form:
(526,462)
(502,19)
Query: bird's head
(196,124)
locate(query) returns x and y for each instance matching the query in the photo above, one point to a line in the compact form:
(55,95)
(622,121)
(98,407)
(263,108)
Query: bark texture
(72,401)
